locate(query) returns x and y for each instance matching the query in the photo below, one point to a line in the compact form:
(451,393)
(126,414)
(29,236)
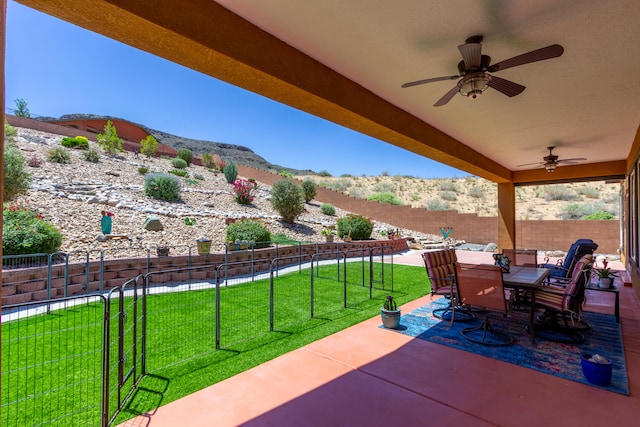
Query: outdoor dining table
(527,278)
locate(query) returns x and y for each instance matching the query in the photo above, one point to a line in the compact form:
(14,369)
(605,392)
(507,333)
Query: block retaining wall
(30,284)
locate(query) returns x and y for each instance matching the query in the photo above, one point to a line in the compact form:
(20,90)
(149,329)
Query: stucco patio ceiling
(585,103)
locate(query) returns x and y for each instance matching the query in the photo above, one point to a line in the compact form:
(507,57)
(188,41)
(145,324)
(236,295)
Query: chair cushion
(441,265)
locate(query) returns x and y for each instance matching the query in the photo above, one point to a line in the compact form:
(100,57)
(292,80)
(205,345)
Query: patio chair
(441,271)
(562,306)
(523,257)
(563,267)
(482,287)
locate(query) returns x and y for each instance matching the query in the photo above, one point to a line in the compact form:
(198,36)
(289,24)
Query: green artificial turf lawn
(181,354)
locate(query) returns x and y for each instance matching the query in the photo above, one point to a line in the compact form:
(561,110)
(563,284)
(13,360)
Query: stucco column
(506,216)
(3,41)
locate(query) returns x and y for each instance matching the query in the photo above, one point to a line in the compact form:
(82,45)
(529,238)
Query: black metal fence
(78,360)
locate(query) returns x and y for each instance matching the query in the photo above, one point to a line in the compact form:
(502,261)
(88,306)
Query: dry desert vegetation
(477,195)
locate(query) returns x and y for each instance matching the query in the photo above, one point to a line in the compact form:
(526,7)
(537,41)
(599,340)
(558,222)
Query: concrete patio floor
(367,376)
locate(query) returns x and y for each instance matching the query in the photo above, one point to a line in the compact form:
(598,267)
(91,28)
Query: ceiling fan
(551,162)
(475,68)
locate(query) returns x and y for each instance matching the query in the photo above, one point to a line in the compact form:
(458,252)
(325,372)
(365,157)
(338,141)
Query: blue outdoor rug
(562,360)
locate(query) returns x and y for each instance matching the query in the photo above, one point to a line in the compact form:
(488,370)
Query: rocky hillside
(72,196)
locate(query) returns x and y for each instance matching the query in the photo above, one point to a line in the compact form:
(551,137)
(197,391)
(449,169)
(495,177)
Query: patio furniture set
(552,294)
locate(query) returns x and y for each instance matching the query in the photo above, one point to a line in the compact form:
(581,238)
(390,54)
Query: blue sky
(59,68)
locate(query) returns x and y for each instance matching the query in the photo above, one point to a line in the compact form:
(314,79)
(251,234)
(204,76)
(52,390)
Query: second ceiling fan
(551,162)
(475,68)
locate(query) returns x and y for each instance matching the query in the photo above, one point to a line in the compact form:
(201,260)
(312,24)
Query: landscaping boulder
(152,223)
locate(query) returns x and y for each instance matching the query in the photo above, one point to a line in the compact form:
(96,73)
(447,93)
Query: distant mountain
(237,153)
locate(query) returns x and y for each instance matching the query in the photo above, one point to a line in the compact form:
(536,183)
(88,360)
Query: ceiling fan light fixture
(474,84)
(550,167)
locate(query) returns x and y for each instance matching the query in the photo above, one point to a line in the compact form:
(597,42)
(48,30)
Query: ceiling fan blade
(471,54)
(447,97)
(541,54)
(435,79)
(507,87)
(574,160)
(530,164)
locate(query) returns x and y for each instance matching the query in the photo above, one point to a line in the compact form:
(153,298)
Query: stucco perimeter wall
(131,134)
(541,235)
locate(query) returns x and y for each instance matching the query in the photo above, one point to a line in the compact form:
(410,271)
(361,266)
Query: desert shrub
(142,170)
(283,239)
(600,215)
(308,190)
(220,165)
(283,173)
(340,185)
(355,226)
(178,172)
(186,155)
(436,205)
(191,182)
(324,172)
(448,186)
(58,155)
(27,232)
(346,175)
(162,186)
(581,210)
(207,161)
(476,191)
(384,173)
(560,192)
(415,197)
(384,187)
(199,177)
(10,131)
(251,230)
(92,156)
(448,195)
(588,192)
(35,161)
(244,191)
(179,163)
(79,142)
(230,172)
(16,177)
(385,197)
(287,199)
(109,140)
(149,146)
(328,209)
(358,192)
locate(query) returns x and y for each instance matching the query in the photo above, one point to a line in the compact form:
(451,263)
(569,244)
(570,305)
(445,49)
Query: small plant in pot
(329,233)
(605,277)
(162,249)
(390,313)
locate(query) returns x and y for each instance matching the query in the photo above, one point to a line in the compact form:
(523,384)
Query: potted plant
(605,277)
(162,250)
(329,233)
(390,313)
(204,244)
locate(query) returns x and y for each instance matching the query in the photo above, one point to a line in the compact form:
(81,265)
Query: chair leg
(549,328)
(490,336)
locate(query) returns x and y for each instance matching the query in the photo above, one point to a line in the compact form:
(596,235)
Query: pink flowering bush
(244,191)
